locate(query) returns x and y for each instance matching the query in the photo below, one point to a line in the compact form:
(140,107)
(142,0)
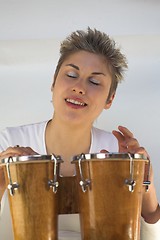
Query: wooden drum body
(32,183)
(110,195)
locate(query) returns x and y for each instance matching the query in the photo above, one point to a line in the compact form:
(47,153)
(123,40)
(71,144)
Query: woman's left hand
(129,144)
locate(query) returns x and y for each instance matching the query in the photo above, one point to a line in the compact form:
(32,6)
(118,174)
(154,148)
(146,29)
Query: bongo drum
(110,195)
(32,184)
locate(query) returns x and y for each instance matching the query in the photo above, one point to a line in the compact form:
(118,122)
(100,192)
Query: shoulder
(21,135)
(24,129)
(102,139)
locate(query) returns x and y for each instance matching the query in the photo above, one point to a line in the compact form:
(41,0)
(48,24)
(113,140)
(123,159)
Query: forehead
(87,60)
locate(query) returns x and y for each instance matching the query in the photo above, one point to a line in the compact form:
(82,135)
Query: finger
(27,151)
(122,134)
(104,151)
(118,135)
(125,131)
(122,141)
(142,150)
(11,151)
(17,151)
(9,155)
(126,140)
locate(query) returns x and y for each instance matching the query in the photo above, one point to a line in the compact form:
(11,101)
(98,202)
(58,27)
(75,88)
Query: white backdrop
(30,34)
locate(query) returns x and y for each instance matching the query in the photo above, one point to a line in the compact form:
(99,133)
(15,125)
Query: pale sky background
(30,35)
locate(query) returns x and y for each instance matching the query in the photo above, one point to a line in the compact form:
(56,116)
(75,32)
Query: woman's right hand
(17,151)
(12,152)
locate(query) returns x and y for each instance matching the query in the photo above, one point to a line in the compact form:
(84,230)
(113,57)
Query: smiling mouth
(75,102)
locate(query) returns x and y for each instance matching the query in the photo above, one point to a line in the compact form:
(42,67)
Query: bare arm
(150,206)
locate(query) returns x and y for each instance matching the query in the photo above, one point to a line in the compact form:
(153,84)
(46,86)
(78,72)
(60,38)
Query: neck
(67,141)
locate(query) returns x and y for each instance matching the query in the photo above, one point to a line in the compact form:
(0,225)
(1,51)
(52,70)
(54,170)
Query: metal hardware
(131,182)
(11,186)
(54,183)
(147,182)
(83,183)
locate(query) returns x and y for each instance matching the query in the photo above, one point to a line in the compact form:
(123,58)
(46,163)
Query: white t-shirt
(33,135)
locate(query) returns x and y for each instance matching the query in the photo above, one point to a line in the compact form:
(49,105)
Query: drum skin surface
(33,207)
(108,210)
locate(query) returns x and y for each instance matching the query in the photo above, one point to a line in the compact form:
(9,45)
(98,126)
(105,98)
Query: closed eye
(94,81)
(72,75)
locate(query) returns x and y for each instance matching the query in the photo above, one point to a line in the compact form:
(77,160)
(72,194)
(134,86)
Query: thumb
(104,151)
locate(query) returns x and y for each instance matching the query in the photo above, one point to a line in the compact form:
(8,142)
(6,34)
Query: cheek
(57,92)
(100,97)
(98,105)
(60,84)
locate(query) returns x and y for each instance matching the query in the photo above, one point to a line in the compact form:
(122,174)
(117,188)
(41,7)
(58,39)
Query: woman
(85,81)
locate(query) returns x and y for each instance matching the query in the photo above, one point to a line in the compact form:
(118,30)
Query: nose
(78,88)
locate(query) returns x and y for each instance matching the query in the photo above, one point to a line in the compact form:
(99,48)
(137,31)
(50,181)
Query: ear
(109,101)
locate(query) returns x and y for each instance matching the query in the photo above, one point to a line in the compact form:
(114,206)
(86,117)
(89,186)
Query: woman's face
(81,88)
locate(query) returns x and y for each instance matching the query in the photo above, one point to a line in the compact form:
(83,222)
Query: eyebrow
(72,65)
(77,68)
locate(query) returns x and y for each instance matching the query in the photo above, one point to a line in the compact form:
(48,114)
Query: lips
(76,102)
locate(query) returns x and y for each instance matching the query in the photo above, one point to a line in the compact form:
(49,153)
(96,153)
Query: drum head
(108,156)
(31,159)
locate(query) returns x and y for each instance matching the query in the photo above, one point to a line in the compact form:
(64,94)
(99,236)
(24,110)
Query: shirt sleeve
(3,141)
(150,231)
(6,139)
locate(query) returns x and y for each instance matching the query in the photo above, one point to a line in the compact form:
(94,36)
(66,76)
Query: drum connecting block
(84,183)
(131,182)
(54,183)
(11,186)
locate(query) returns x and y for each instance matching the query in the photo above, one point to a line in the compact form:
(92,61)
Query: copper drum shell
(108,210)
(34,205)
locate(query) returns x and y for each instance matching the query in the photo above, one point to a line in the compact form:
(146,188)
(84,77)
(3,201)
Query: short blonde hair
(99,43)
